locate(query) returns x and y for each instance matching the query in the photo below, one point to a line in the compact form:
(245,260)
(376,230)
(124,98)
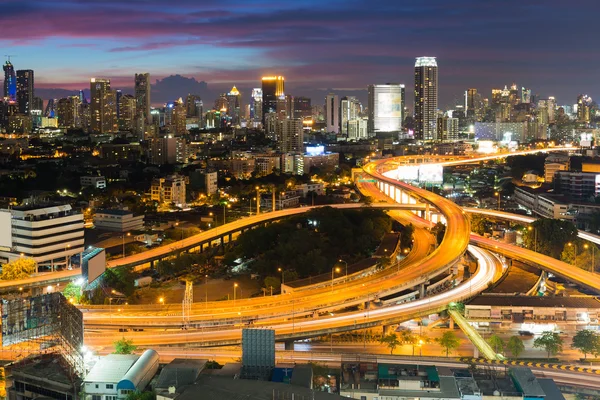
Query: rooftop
(180,372)
(536,301)
(111,368)
(526,382)
(114,212)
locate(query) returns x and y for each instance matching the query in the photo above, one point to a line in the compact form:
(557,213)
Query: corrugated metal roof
(536,301)
(111,368)
(138,371)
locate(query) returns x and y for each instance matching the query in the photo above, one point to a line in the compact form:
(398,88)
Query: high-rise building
(358,129)
(50,111)
(349,111)
(127,113)
(302,108)
(426,98)
(525,95)
(234,102)
(332,113)
(272,89)
(142,96)
(584,104)
(168,150)
(193,105)
(290,135)
(474,105)
(496,96)
(25,90)
(221,103)
(385,108)
(178,118)
(256,105)
(447,128)
(10,81)
(551,109)
(68,111)
(103,107)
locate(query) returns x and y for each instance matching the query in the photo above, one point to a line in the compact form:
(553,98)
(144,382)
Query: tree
(515,346)
(585,257)
(586,341)
(20,268)
(391,341)
(406,336)
(551,342)
(449,341)
(406,237)
(124,346)
(549,236)
(73,291)
(479,224)
(439,230)
(137,395)
(272,281)
(496,343)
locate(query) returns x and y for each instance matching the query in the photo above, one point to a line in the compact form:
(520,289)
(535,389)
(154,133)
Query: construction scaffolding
(188,300)
(44,324)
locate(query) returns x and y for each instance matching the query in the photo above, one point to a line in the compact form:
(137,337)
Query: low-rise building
(204,181)
(553,163)
(117,375)
(113,152)
(171,189)
(305,188)
(97,182)
(118,220)
(323,160)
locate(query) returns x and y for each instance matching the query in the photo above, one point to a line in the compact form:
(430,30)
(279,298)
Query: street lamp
(67,247)
(335,269)
(531,228)
(282,276)
(342,261)
(235,285)
(206,290)
(177,224)
(498,194)
(575,255)
(123,237)
(161,300)
(257,200)
(593,267)
(225,207)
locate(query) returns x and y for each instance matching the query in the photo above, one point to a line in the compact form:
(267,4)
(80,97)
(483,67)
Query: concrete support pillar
(451,323)
(427,212)
(421,290)
(475,352)
(289,345)
(230,237)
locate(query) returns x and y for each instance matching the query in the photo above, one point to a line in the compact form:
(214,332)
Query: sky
(318,45)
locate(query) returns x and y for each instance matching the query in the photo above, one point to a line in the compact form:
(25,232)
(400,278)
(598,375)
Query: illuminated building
(168,150)
(142,96)
(178,118)
(513,96)
(270,124)
(496,96)
(525,95)
(302,108)
(474,105)
(128,112)
(290,135)
(113,152)
(273,87)
(20,124)
(193,105)
(256,105)
(584,103)
(358,129)
(169,190)
(332,113)
(25,90)
(385,108)
(221,103)
(349,111)
(103,107)
(10,81)
(426,98)
(68,111)
(234,102)
(551,109)
(50,111)
(316,156)
(447,128)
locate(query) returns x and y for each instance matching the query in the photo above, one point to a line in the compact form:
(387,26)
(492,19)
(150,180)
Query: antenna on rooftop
(8,56)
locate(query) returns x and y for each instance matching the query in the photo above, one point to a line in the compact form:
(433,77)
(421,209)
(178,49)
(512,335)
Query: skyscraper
(234,101)
(142,96)
(10,81)
(103,107)
(426,98)
(385,108)
(25,90)
(68,110)
(290,135)
(349,110)
(272,89)
(302,107)
(332,113)
(127,112)
(584,104)
(525,95)
(256,104)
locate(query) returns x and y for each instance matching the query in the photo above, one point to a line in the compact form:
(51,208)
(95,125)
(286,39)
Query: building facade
(171,189)
(332,113)
(426,98)
(142,96)
(386,111)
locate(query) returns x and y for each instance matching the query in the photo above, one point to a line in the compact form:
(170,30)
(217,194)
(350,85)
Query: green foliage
(290,276)
(272,281)
(73,291)
(391,341)
(515,345)
(120,279)
(448,341)
(551,342)
(311,244)
(585,257)
(552,236)
(177,233)
(20,268)
(496,343)
(586,341)
(406,236)
(439,230)
(480,224)
(124,346)
(212,364)
(137,395)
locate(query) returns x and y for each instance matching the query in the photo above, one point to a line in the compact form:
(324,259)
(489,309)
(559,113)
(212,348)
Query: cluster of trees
(449,341)
(20,268)
(312,243)
(124,346)
(439,230)
(581,254)
(515,345)
(587,342)
(549,236)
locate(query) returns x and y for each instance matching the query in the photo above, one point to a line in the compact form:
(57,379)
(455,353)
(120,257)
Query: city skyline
(340,46)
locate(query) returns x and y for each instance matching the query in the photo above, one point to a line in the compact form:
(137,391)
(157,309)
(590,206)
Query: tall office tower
(221,103)
(514,95)
(525,95)
(50,108)
(349,110)
(584,104)
(234,101)
(273,87)
(38,104)
(68,110)
(178,118)
(385,108)
(447,128)
(332,113)
(127,113)
(551,109)
(256,104)
(103,107)
(290,135)
(496,96)
(289,106)
(474,105)
(10,81)
(426,98)
(118,95)
(541,113)
(25,90)
(193,106)
(302,107)
(142,96)
(82,97)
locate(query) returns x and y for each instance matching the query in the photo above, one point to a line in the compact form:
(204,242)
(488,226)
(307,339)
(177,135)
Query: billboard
(93,264)
(389,105)
(5,230)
